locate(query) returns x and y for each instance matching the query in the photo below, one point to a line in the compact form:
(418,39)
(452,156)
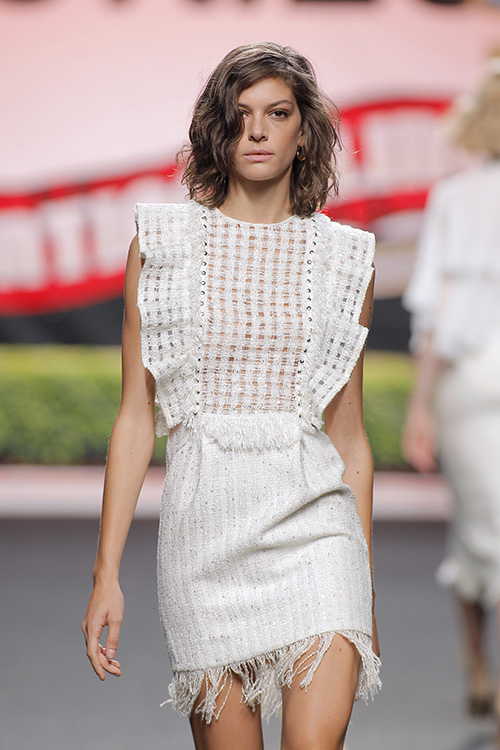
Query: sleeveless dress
(249,331)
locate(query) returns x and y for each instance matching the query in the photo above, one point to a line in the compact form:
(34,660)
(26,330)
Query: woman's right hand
(105,609)
(130,449)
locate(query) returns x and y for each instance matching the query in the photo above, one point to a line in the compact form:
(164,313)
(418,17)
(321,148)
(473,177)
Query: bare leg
(237,726)
(479,690)
(318,718)
(496,707)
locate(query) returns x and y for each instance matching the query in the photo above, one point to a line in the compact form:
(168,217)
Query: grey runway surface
(50,699)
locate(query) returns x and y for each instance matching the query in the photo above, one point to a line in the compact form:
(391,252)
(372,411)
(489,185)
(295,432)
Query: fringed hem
(264,676)
(256,431)
(473,588)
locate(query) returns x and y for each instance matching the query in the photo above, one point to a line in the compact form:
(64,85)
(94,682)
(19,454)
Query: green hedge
(58,404)
(388,379)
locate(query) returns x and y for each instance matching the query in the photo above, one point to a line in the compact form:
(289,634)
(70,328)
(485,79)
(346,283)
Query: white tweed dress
(249,331)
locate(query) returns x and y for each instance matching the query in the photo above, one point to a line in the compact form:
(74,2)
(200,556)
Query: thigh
(237,726)
(318,717)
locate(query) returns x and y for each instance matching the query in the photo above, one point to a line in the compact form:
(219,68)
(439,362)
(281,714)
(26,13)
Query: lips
(258,155)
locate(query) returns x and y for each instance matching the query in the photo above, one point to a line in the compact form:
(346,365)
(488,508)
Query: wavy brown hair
(217,126)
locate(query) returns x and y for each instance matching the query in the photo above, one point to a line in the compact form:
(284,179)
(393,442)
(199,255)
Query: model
(246,317)
(455,407)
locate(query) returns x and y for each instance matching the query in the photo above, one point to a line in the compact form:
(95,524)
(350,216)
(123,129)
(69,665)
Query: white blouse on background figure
(455,286)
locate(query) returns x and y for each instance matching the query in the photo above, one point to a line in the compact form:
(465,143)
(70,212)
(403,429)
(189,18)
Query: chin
(263,175)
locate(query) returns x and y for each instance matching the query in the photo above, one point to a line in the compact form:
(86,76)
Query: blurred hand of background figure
(419,440)
(419,443)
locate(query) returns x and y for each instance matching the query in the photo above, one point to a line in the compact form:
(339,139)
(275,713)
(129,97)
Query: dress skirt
(468,411)
(249,577)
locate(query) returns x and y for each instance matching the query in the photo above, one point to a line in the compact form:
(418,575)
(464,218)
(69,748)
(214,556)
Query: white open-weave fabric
(249,331)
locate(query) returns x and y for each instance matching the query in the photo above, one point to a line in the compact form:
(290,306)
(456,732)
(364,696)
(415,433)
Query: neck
(258,202)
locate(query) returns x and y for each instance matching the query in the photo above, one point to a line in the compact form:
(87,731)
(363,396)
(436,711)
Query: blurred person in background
(253,313)
(454,410)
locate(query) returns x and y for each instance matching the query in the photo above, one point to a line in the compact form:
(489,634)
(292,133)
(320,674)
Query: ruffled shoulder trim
(160,226)
(341,274)
(169,241)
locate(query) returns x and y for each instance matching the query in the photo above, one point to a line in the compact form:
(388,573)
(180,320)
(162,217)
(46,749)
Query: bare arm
(130,450)
(344,425)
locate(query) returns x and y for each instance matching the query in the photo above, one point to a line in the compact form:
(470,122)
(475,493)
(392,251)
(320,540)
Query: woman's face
(271,131)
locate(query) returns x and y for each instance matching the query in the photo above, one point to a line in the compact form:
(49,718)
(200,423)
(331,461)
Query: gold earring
(300,154)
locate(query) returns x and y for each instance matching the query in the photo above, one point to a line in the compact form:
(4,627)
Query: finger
(113,638)
(94,652)
(107,657)
(112,666)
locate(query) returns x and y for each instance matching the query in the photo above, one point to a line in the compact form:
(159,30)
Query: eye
(280,114)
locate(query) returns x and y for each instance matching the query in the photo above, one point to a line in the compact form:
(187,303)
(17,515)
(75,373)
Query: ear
(301,140)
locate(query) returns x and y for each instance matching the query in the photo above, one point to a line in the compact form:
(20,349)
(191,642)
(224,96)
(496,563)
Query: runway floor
(50,699)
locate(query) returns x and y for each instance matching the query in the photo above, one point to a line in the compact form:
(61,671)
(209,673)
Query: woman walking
(246,316)
(455,405)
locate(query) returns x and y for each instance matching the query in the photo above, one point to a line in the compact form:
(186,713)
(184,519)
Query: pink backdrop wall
(90,86)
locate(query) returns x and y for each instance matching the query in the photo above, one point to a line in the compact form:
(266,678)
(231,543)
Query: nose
(256,129)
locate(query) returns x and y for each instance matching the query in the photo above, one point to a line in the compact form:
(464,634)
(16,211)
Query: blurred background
(96,100)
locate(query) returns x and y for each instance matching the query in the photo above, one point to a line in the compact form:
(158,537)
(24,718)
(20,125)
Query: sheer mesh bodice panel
(248,319)
(253,303)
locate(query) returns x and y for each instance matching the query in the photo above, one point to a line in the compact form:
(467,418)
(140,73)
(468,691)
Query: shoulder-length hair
(217,125)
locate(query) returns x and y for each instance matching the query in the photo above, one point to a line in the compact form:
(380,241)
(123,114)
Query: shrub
(58,404)
(387,383)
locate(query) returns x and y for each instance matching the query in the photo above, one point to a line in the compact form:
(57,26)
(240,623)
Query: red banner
(65,246)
